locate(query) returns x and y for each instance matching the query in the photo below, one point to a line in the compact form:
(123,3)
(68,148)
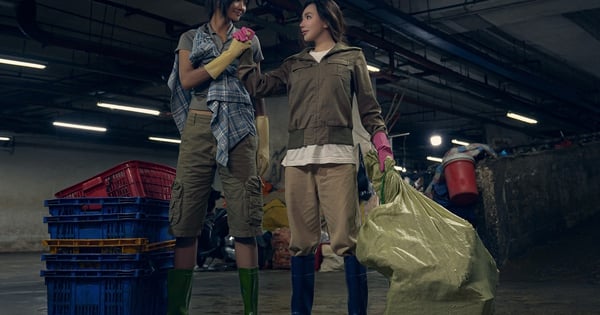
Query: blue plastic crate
(109,226)
(106,293)
(152,261)
(88,206)
(106,246)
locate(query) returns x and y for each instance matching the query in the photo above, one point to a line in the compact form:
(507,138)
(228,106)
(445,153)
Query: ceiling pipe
(424,93)
(80,94)
(169,24)
(135,11)
(429,88)
(133,135)
(8,4)
(427,65)
(291,32)
(410,26)
(107,68)
(26,12)
(459,4)
(354,31)
(11,30)
(462,114)
(289,5)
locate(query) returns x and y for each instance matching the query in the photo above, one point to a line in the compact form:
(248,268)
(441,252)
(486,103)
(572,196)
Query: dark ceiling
(449,66)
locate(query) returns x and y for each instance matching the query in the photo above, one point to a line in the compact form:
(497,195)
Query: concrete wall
(525,199)
(532,198)
(37,167)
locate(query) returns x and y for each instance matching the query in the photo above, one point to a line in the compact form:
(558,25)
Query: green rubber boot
(249,287)
(179,291)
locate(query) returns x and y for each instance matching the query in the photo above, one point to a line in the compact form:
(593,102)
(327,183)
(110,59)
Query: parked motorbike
(215,242)
(216,248)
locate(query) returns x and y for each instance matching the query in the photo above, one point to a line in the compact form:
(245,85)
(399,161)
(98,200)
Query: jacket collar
(338,47)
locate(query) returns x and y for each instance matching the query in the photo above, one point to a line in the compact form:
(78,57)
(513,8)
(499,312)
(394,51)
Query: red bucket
(459,171)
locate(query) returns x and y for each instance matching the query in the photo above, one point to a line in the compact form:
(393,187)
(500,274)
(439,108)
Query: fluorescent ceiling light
(435,140)
(372,68)
(458,142)
(22,63)
(400,169)
(2,138)
(521,118)
(169,140)
(129,108)
(77,126)
(434,159)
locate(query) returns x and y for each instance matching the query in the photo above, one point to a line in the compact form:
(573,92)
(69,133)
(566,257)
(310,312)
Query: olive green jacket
(319,94)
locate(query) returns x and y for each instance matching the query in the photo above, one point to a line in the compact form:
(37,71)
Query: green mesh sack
(434,260)
(386,184)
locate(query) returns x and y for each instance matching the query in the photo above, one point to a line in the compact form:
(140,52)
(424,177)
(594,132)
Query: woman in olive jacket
(320,171)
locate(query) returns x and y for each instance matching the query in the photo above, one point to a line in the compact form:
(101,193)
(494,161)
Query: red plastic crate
(128,179)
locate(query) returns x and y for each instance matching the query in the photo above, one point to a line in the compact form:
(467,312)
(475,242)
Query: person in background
(320,171)
(216,118)
(438,188)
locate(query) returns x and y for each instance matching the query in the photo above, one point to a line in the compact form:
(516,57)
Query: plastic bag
(435,261)
(274,215)
(281,253)
(365,187)
(387,183)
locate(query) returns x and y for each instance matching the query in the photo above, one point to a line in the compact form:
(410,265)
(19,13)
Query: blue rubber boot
(303,284)
(356,282)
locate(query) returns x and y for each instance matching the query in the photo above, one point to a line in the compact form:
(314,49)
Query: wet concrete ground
(560,277)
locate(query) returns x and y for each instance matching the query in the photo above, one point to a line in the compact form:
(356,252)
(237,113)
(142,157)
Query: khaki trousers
(327,189)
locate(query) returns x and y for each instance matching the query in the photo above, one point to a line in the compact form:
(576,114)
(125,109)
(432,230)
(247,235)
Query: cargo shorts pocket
(176,204)
(255,201)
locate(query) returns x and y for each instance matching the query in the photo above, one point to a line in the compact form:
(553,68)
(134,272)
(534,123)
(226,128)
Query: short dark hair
(330,12)
(221,5)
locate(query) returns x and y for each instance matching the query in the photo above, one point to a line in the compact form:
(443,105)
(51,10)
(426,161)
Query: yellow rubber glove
(263,155)
(218,65)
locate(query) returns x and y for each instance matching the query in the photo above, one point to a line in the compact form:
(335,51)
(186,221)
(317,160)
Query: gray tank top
(199,94)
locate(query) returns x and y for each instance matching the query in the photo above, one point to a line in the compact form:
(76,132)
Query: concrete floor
(559,277)
(22,292)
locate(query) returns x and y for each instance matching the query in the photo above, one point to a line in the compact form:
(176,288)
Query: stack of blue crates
(107,256)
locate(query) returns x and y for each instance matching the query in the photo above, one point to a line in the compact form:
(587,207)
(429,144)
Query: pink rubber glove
(243,34)
(382,144)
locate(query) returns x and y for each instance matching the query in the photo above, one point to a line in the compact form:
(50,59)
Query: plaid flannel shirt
(230,103)
(180,98)
(233,112)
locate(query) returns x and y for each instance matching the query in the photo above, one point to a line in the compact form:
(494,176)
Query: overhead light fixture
(372,68)
(400,169)
(129,108)
(458,142)
(2,138)
(169,140)
(78,126)
(434,159)
(22,63)
(521,118)
(435,140)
